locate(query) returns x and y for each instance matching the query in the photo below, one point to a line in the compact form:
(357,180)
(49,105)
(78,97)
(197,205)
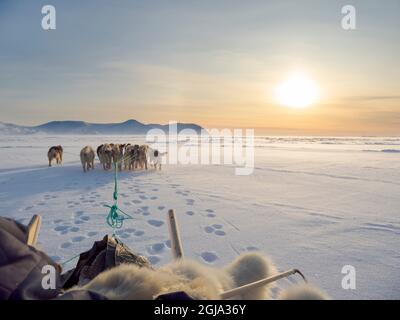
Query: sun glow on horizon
(297,91)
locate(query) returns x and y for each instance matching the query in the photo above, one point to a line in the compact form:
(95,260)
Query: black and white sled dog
(154,157)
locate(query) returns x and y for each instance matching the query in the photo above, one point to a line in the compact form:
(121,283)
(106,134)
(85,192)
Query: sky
(211,62)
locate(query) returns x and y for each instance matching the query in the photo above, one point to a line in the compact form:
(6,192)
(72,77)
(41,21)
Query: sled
(33,230)
(177,253)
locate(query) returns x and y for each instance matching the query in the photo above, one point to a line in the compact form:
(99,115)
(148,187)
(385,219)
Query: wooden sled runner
(33,230)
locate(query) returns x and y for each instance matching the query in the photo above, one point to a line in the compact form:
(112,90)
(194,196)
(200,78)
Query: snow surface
(316,204)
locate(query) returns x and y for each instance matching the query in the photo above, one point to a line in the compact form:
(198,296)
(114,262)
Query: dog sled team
(125,156)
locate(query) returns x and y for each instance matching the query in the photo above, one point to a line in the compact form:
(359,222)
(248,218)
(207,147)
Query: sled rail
(245,288)
(33,230)
(176,243)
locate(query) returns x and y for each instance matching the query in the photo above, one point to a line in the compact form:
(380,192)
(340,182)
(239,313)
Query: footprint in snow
(61,228)
(209,229)
(156,248)
(220,233)
(139,233)
(209,257)
(212,229)
(252,248)
(66,245)
(78,239)
(153,259)
(92,233)
(155,223)
(124,235)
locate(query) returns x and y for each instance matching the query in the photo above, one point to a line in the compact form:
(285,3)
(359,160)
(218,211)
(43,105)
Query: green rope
(116,217)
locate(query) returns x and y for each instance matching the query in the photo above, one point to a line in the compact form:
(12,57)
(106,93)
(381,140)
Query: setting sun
(297,91)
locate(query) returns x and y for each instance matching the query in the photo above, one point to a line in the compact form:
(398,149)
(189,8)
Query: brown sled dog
(55,153)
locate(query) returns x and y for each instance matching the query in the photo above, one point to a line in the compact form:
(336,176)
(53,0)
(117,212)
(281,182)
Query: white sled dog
(130,282)
(87,158)
(154,157)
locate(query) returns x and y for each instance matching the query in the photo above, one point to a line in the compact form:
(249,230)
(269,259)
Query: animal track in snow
(252,248)
(91,233)
(220,233)
(78,239)
(208,256)
(61,228)
(155,223)
(66,245)
(216,229)
(156,248)
(153,259)
(209,229)
(138,233)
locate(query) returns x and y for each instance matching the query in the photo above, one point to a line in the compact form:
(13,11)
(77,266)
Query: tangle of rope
(116,217)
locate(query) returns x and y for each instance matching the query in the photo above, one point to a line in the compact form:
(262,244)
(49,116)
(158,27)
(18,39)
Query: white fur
(129,282)
(252,267)
(303,292)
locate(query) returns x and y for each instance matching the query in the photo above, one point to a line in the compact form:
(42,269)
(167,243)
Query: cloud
(373,98)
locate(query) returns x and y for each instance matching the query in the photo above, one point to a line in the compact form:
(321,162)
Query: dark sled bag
(105,254)
(21,265)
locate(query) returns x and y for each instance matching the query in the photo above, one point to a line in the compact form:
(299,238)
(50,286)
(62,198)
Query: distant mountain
(82,127)
(9,129)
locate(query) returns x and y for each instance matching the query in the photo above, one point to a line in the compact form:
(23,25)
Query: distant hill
(82,127)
